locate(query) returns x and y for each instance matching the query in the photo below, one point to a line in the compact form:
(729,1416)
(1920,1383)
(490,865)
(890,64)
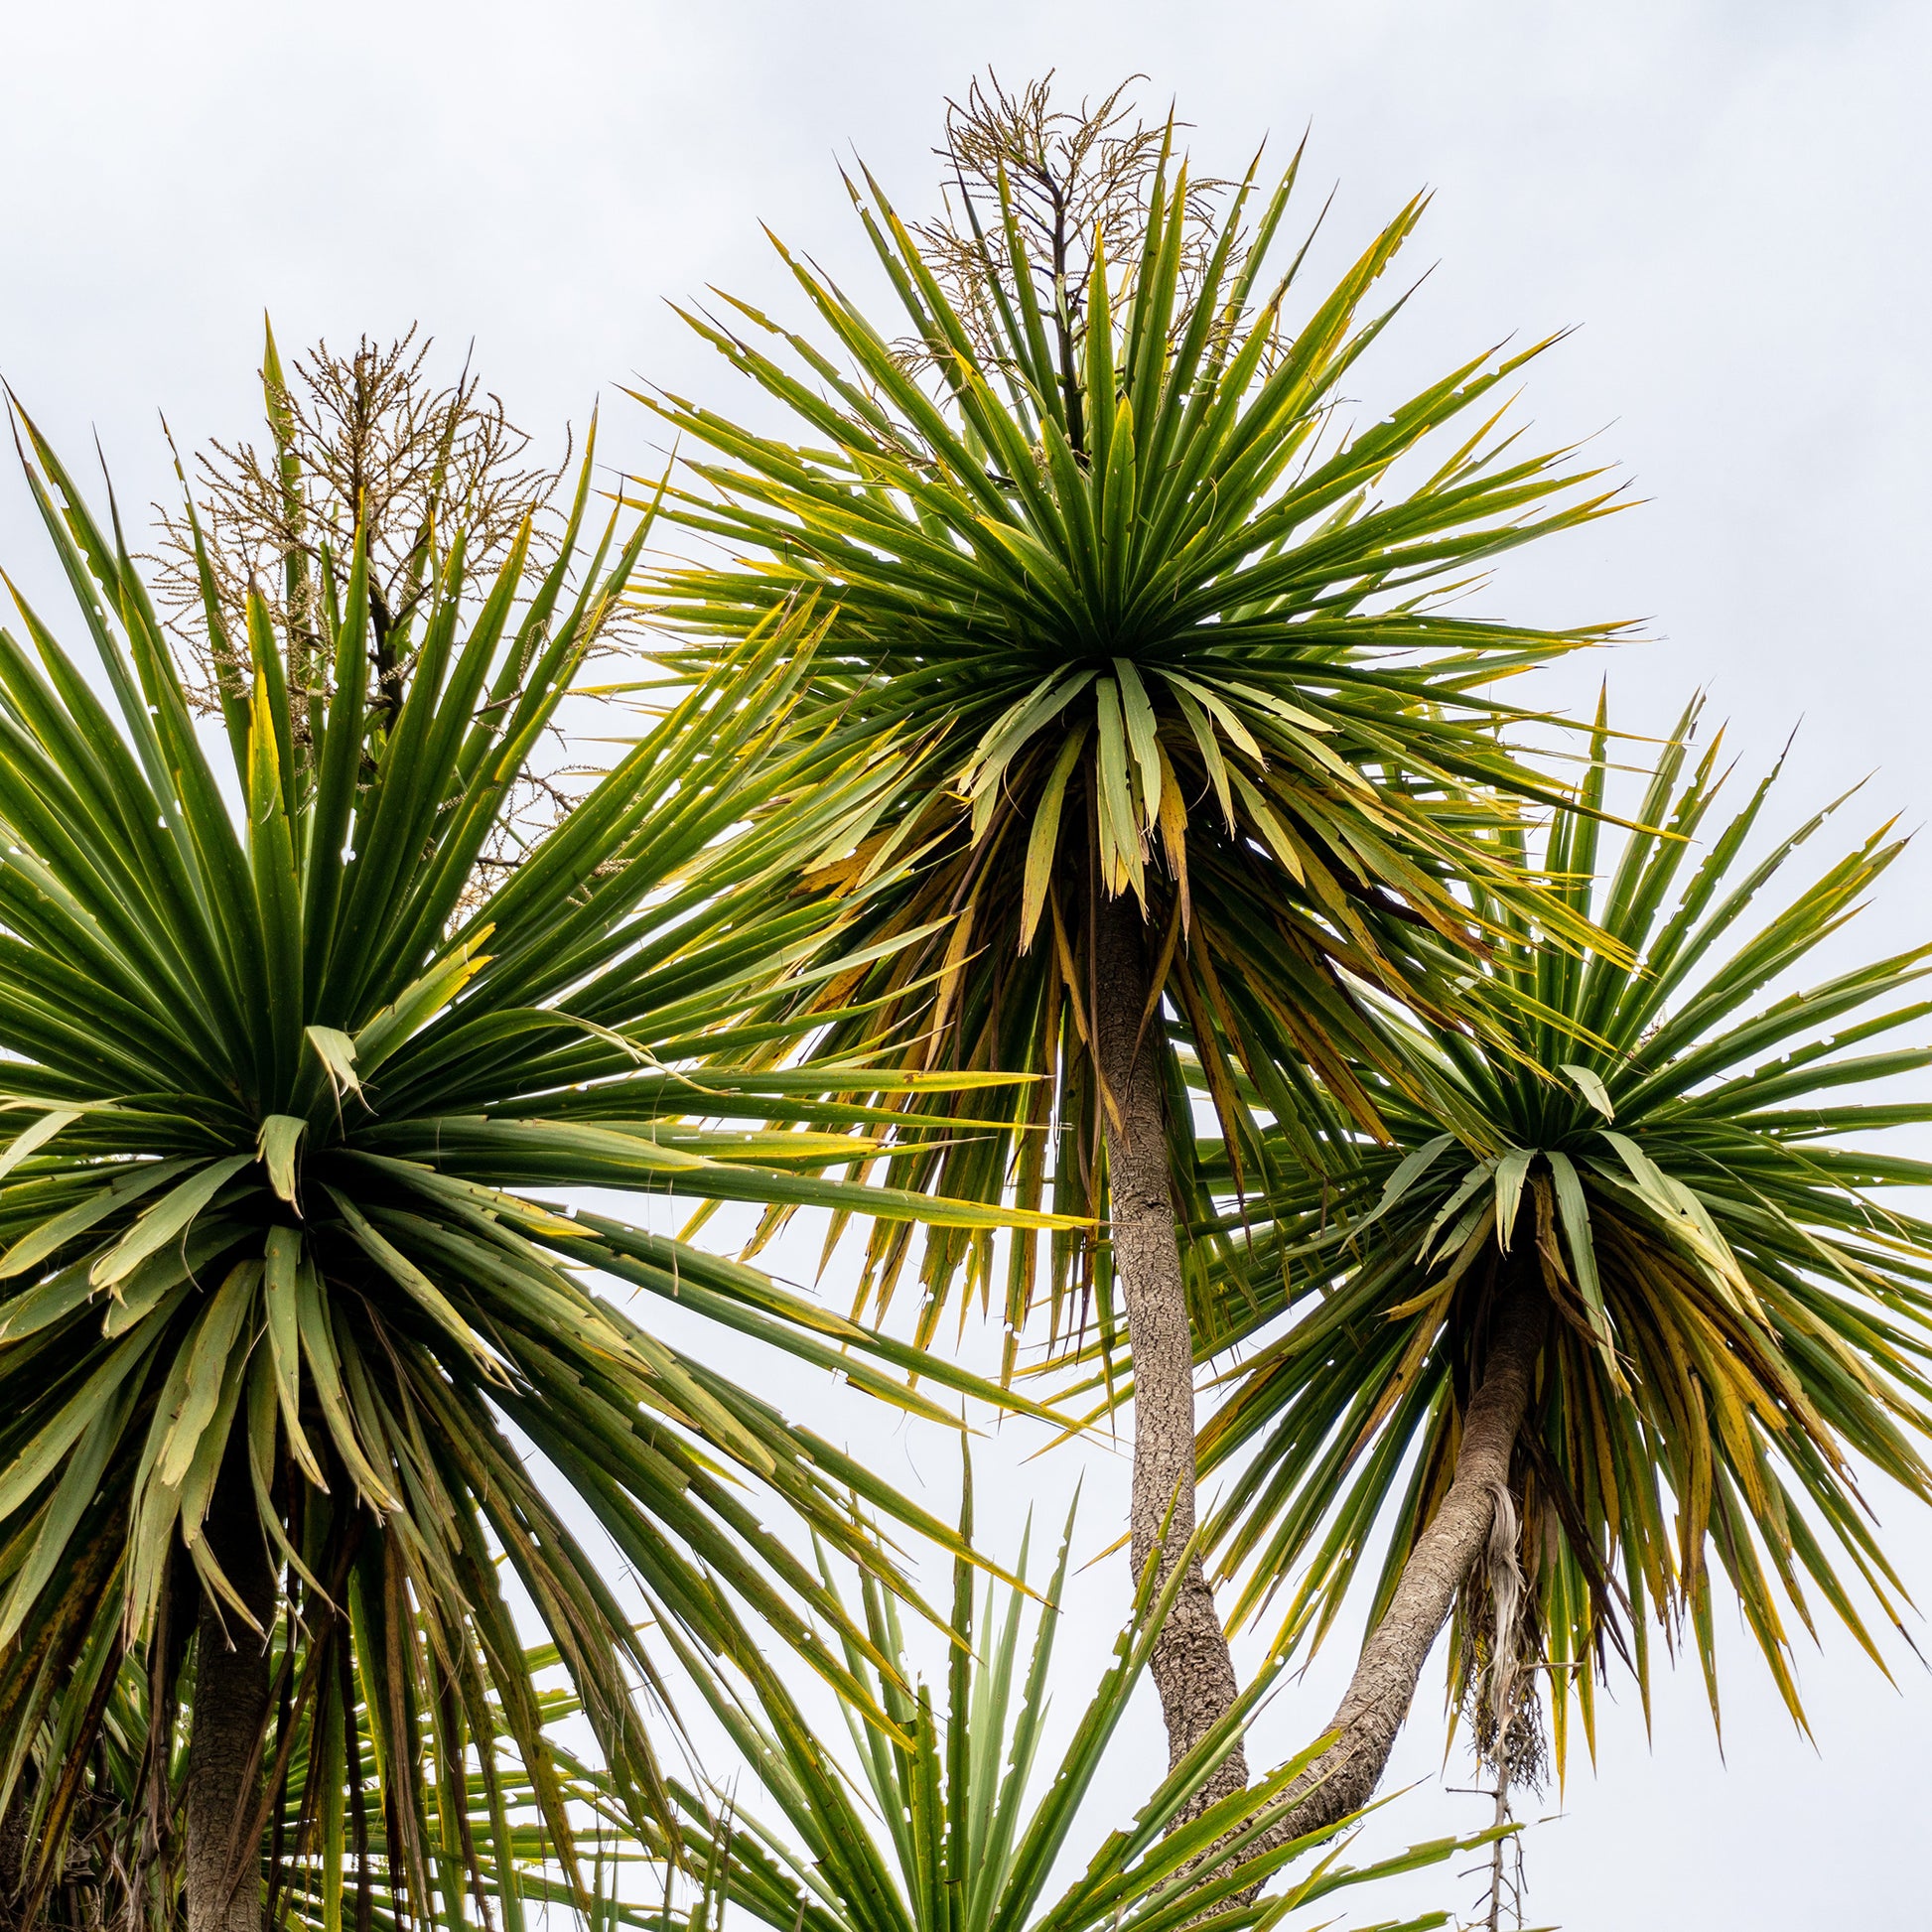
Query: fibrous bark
(1383,1687)
(13,1856)
(232,1708)
(1191,1664)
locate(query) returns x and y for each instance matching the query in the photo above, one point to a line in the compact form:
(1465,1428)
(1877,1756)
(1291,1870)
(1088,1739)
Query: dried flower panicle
(372,435)
(369,433)
(1073,177)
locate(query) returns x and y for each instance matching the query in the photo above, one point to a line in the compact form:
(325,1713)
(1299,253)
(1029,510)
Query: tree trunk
(1191,1665)
(1371,1712)
(13,1854)
(230,1716)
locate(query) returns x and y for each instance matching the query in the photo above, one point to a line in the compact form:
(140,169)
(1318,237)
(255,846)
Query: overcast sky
(1731,202)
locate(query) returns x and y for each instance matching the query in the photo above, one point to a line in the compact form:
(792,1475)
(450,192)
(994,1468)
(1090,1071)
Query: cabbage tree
(298,1357)
(1197,753)
(1649,1292)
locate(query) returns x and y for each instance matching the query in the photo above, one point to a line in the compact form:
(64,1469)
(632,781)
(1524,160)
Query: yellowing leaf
(1043,838)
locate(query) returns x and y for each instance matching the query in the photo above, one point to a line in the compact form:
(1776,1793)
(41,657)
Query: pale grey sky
(1731,200)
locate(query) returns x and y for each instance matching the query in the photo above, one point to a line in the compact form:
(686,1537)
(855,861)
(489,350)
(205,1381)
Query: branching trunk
(1191,1665)
(1380,1693)
(232,1708)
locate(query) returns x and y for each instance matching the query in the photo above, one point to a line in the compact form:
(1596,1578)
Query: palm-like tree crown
(1158,623)
(1737,1319)
(273,1292)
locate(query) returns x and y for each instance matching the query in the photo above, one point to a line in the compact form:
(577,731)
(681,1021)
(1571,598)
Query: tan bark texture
(1383,1687)
(231,1708)
(1191,1665)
